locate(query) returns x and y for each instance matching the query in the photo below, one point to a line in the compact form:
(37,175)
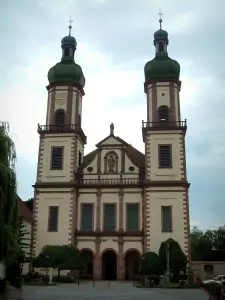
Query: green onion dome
(67,71)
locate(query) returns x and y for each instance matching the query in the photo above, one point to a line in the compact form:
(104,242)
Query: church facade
(114,203)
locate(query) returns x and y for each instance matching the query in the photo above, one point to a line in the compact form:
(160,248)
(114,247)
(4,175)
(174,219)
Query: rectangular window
(53,218)
(87,217)
(57,158)
(109,217)
(165,156)
(166,218)
(132,217)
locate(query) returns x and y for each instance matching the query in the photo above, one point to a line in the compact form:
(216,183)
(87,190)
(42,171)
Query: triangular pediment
(111,140)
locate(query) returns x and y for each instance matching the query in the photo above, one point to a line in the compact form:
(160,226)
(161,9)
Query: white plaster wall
(93,164)
(111,141)
(153,142)
(56,175)
(48,107)
(163,100)
(132,244)
(61,237)
(109,243)
(157,200)
(86,243)
(128,164)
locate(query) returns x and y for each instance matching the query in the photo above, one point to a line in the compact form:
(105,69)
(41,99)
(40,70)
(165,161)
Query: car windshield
(215,278)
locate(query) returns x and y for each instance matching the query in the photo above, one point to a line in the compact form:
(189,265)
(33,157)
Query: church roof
(24,211)
(137,157)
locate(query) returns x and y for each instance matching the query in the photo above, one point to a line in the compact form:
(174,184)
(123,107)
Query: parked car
(218,280)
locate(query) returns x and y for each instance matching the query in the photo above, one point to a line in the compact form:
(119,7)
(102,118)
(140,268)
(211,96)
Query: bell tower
(61,151)
(166,213)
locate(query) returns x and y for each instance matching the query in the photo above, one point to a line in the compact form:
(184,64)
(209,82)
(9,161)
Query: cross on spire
(160,14)
(70,26)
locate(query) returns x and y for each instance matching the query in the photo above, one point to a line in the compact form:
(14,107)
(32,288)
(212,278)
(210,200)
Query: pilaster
(121,260)
(98,210)
(97,266)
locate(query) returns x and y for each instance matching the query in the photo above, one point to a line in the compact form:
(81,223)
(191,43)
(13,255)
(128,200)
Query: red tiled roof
(24,211)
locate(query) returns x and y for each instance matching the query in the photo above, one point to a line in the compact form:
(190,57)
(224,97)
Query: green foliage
(177,258)
(151,264)
(63,257)
(178,262)
(9,245)
(173,245)
(24,242)
(208,245)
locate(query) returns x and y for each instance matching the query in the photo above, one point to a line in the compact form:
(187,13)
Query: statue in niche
(111,164)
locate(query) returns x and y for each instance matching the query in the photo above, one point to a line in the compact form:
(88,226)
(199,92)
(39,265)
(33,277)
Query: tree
(178,262)
(151,264)
(173,245)
(208,245)
(9,224)
(65,257)
(177,258)
(201,244)
(24,242)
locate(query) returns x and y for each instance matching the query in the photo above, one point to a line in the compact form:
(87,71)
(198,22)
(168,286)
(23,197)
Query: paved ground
(117,290)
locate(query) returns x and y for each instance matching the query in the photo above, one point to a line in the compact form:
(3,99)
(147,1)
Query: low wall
(198,267)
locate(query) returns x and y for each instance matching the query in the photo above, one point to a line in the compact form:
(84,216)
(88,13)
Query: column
(121,210)
(97,272)
(98,210)
(144,218)
(121,260)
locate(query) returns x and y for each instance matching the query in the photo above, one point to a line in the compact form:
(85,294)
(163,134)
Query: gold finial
(160,14)
(70,26)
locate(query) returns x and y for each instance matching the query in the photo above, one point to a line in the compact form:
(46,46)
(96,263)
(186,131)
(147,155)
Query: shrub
(154,278)
(151,264)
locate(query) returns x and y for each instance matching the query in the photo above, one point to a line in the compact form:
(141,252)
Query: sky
(115,40)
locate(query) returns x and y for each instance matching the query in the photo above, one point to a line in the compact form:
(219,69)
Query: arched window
(163,113)
(60,117)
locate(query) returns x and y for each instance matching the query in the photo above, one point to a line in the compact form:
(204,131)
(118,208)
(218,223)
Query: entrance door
(109,265)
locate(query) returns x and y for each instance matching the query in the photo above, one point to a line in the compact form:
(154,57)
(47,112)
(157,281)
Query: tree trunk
(58,274)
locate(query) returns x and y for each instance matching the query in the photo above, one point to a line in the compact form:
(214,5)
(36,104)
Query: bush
(151,264)
(30,276)
(154,278)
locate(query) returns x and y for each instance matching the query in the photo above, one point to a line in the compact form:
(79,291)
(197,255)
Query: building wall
(27,248)
(175,199)
(178,171)
(163,93)
(63,198)
(198,269)
(168,186)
